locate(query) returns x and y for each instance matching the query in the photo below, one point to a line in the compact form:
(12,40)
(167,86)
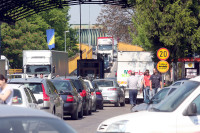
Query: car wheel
(74,115)
(117,103)
(123,103)
(90,111)
(95,108)
(86,112)
(101,106)
(80,114)
(53,111)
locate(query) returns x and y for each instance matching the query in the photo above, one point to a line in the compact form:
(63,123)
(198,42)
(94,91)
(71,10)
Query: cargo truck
(50,63)
(105,45)
(4,65)
(138,61)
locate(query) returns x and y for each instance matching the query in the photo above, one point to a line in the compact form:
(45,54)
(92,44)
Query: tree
(116,22)
(30,34)
(171,24)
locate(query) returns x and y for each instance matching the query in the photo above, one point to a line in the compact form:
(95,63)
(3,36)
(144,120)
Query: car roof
(105,79)
(13,111)
(25,80)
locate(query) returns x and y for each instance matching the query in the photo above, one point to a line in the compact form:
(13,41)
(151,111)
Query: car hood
(137,120)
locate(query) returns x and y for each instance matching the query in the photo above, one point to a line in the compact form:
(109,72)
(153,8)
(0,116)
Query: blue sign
(50,38)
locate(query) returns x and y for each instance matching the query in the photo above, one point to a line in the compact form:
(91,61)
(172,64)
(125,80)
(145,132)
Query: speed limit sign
(163,54)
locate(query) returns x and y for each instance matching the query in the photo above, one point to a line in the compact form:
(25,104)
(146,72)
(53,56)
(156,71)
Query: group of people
(41,75)
(149,84)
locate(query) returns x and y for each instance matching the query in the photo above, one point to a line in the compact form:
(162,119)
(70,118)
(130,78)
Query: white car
(177,113)
(23,97)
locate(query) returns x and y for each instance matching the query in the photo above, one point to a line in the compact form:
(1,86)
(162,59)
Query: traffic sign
(162,66)
(163,54)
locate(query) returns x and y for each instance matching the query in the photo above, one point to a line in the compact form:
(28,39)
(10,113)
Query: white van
(177,113)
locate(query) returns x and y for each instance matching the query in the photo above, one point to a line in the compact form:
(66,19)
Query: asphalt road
(90,123)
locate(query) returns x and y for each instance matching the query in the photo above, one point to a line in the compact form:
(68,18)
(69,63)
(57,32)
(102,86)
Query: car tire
(74,115)
(123,103)
(80,114)
(117,103)
(101,106)
(95,108)
(86,112)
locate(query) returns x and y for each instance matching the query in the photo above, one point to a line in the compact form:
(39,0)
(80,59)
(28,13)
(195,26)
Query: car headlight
(119,126)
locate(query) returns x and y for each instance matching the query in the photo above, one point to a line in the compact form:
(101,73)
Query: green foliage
(165,23)
(30,34)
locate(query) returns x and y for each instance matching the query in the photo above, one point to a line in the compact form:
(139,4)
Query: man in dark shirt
(155,83)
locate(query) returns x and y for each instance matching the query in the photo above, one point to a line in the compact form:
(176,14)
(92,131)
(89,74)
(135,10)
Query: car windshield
(36,88)
(17,97)
(33,125)
(104,83)
(160,96)
(78,85)
(171,102)
(38,69)
(62,85)
(105,47)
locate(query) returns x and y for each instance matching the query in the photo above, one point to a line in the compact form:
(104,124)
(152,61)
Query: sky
(87,11)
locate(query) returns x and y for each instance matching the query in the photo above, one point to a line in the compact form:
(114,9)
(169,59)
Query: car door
(30,102)
(34,104)
(57,100)
(190,124)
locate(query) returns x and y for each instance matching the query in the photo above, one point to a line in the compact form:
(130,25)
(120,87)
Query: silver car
(93,94)
(23,97)
(26,120)
(43,89)
(111,91)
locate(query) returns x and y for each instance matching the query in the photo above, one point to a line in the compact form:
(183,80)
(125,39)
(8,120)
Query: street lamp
(65,39)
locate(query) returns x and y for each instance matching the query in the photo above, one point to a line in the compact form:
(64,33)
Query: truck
(50,63)
(92,68)
(105,45)
(4,65)
(138,61)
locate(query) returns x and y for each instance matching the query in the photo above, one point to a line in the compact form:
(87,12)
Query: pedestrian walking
(155,83)
(6,92)
(132,84)
(146,85)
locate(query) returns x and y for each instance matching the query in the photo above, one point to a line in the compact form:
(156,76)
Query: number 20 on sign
(163,54)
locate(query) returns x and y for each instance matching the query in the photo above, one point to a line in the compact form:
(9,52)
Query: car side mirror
(40,101)
(191,110)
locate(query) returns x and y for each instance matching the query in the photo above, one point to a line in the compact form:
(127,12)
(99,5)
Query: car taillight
(83,93)
(45,96)
(112,89)
(70,98)
(98,93)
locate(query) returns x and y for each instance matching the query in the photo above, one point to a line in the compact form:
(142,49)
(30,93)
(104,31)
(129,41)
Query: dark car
(43,89)
(71,98)
(83,91)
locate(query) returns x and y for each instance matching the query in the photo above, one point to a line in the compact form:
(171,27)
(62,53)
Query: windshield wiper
(155,109)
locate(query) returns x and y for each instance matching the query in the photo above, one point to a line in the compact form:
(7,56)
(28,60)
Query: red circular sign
(163,54)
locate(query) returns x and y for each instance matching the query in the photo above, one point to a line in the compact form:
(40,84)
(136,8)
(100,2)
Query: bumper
(110,99)
(69,108)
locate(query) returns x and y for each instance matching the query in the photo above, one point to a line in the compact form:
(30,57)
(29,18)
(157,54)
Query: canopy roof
(14,10)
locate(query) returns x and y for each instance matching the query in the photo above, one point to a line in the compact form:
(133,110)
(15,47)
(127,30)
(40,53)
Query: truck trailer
(4,65)
(138,61)
(50,63)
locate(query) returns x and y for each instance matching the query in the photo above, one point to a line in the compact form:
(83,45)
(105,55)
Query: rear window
(17,97)
(78,85)
(62,85)
(104,83)
(36,88)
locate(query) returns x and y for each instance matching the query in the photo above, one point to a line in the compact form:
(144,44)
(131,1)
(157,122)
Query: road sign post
(163,66)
